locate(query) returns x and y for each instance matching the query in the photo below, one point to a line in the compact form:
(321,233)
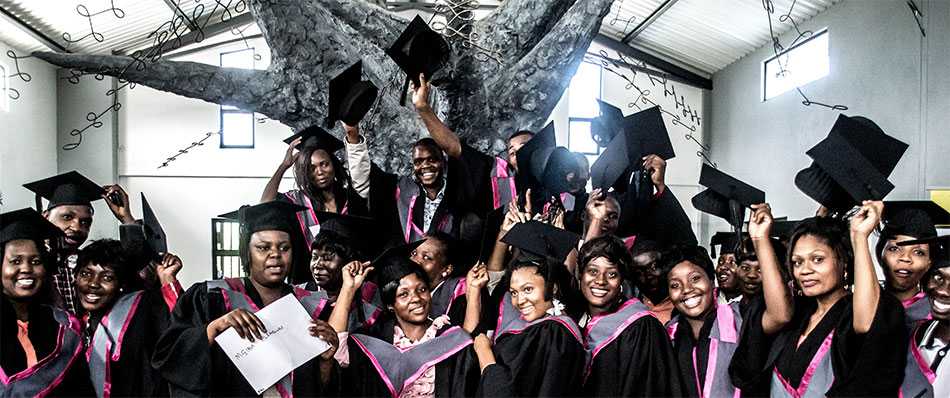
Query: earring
(444,274)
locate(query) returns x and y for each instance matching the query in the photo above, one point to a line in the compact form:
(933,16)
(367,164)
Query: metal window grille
(225,249)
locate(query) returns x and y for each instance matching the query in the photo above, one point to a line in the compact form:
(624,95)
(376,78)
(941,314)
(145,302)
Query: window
(583,93)
(225,249)
(4,89)
(236,125)
(797,66)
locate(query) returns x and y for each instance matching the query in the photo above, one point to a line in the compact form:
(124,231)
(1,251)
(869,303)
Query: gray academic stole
(918,376)
(106,344)
(604,329)
(235,296)
(445,295)
(723,341)
(370,313)
(511,322)
(400,368)
(817,379)
(38,380)
(407,193)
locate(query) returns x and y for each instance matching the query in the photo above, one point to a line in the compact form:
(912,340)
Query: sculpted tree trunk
(540,44)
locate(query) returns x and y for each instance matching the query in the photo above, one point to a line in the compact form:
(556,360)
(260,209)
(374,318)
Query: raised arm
(443,136)
(354,274)
(357,160)
(270,190)
(867,292)
(476,280)
(778,299)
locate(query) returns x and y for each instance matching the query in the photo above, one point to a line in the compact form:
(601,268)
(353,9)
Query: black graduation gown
(43,332)
(455,376)
(639,362)
(194,367)
(133,375)
(870,364)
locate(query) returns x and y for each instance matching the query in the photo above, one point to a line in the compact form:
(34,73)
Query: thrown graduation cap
(316,136)
(851,164)
(419,49)
(275,215)
(647,134)
(725,196)
(349,96)
(26,223)
(942,243)
(612,164)
(542,240)
(542,140)
(608,125)
(155,238)
(915,218)
(69,188)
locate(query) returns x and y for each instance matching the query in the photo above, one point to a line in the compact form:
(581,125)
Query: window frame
(764,66)
(589,120)
(230,109)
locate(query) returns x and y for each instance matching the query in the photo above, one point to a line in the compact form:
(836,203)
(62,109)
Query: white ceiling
(703,36)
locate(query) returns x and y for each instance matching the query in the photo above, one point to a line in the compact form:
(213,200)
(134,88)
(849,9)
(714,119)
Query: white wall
(682,173)
(28,130)
(876,70)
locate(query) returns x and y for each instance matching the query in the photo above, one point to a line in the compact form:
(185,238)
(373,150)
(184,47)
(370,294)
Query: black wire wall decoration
(456,23)
(778,48)
(13,93)
(185,150)
(616,20)
(683,113)
(167,36)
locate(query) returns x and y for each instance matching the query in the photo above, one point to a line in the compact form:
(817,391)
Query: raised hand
(760,223)
(477,277)
(121,210)
(355,273)
(867,218)
(420,95)
(291,156)
(657,167)
(167,270)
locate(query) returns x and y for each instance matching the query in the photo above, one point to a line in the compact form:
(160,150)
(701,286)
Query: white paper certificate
(286,345)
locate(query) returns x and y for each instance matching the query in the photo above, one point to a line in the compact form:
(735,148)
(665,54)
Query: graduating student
(927,373)
(41,345)
(408,354)
(539,349)
(630,354)
(343,239)
(705,334)
(727,283)
(187,354)
(322,182)
(750,275)
(70,196)
(121,325)
(904,266)
(838,343)
(645,273)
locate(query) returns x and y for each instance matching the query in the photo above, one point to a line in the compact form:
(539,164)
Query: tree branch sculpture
(541,43)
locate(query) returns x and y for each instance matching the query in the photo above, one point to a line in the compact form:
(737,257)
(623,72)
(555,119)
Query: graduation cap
(316,136)
(647,134)
(917,219)
(550,166)
(26,223)
(394,263)
(419,49)
(851,164)
(725,196)
(607,126)
(349,96)
(354,231)
(782,229)
(542,240)
(612,164)
(69,188)
(275,215)
(154,234)
(543,139)
(942,243)
(728,243)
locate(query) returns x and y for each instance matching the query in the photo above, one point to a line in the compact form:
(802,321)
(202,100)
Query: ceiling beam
(676,73)
(644,24)
(172,5)
(191,37)
(33,32)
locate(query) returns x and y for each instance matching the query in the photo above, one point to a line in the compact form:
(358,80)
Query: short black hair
(641,246)
(696,255)
(832,232)
(609,247)
(332,242)
(393,270)
(429,144)
(451,249)
(107,253)
(544,268)
(520,133)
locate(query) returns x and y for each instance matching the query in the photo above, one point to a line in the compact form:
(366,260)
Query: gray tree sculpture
(540,43)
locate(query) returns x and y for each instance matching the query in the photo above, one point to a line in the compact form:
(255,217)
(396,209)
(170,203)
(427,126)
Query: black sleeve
(751,366)
(382,205)
(545,360)
(871,364)
(496,382)
(666,222)
(182,353)
(640,363)
(474,180)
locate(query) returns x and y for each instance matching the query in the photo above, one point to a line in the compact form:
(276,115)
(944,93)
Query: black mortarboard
(612,163)
(647,134)
(543,240)
(551,166)
(721,190)
(394,261)
(915,218)
(851,164)
(419,49)
(69,188)
(782,229)
(354,231)
(544,139)
(316,136)
(275,215)
(155,239)
(727,242)
(608,125)
(941,244)
(26,223)
(349,96)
